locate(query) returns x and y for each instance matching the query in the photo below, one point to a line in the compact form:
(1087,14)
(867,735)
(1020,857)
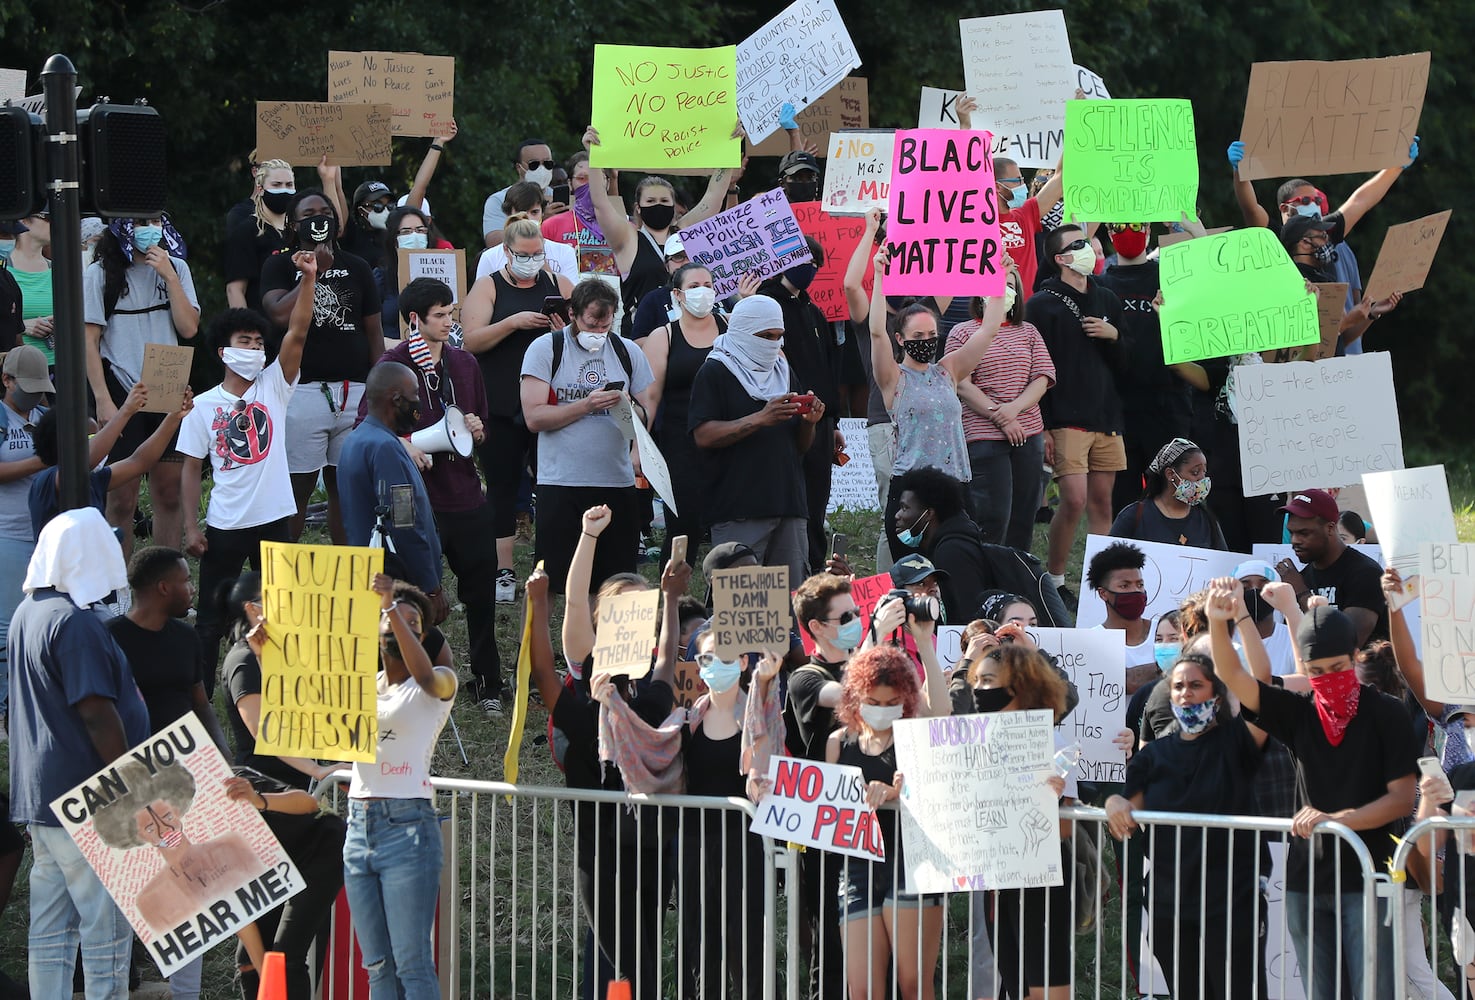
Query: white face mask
(244,361)
(1083,261)
(412,241)
(1009,298)
(523,269)
(379,217)
(540,176)
(699,300)
(880,717)
(592,341)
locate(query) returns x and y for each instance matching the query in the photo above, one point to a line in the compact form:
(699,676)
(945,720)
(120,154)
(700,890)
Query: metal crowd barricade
(1434,940)
(514,914)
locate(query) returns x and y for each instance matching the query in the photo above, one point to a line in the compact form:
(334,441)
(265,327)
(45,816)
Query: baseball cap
(795,161)
(369,191)
(13,228)
(1294,229)
(1256,567)
(914,568)
(674,245)
(424,204)
(724,555)
(27,365)
(1325,632)
(1312,503)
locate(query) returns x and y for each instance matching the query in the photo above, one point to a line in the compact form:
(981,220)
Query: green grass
(543,929)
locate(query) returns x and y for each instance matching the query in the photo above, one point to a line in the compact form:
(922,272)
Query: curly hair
(1117,555)
(880,665)
(1032,678)
(115,822)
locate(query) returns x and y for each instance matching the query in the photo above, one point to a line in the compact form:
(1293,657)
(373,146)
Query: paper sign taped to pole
(819,805)
(1407,255)
(796,58)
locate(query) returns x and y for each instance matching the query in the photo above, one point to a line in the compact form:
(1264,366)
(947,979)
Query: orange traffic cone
(619,989)
(274,977)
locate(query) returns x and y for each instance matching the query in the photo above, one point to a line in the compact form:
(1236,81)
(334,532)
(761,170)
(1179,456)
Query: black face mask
(406,416)
(24,401)
(657,216)
(991,699)
(801,276)
(277,201)
(923,352)
(315,230)
(1257,606)
(799,191)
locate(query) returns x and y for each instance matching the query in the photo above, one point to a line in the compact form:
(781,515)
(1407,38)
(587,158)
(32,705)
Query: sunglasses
(535,164)
(845,617)
(1074,245)
(240,417)
(1134,227)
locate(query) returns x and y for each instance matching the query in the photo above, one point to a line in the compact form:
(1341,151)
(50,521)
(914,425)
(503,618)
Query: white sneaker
(506,590)
(491,706)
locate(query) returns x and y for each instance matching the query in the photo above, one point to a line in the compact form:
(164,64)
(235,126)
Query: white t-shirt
(1280,647)
(561,260)
(248,464)
(410,721)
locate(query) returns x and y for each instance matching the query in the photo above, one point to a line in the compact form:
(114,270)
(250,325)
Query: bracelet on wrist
(1244,619)
(437,147)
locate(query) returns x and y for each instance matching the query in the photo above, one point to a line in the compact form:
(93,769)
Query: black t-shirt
(337,341)
(246,252)
(166,665)
(1213,773)
(1353,581)
(1374,751)
(761,475)
(1144,521)
(241,674)
(306,837)
(810,344)
(812,723)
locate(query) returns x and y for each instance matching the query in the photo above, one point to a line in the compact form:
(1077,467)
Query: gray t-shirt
(492,216)
(141,316)
(591,451)
(16,446)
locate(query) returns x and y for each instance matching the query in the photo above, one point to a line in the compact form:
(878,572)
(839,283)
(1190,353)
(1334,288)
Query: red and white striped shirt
(1016,358)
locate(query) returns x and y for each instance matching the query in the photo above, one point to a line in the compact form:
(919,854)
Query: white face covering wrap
(756,362)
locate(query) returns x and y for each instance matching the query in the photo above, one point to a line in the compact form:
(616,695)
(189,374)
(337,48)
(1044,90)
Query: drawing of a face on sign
(151,813)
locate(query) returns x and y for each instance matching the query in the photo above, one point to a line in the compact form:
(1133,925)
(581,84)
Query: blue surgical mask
(146,238)
(848,636)
(1194,719)
(1166,654)
(1311,211)
(412,241)
(719,675)
(6,248)
(1018,195)
(912,537)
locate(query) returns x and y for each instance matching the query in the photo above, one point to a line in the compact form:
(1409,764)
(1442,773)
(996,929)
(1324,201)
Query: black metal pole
(64,170)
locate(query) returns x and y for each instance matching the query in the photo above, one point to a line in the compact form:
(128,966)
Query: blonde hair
(521,229)
(259,176)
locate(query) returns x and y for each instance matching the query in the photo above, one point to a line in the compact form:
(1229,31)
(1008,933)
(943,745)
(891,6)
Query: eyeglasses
(416,229)
(1074,245)
(845,617)
(527,258)
(535,164)
(1011,181)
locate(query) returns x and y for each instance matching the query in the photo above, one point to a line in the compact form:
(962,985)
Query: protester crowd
(1255,699)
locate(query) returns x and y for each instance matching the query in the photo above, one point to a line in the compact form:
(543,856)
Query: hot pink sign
(942,230)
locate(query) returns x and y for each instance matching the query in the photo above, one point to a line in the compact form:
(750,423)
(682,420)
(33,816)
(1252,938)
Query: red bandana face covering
(1336,702)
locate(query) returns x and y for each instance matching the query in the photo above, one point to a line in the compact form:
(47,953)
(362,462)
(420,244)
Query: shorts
(868,887)
(316,426)
(1078,452)
(140,426)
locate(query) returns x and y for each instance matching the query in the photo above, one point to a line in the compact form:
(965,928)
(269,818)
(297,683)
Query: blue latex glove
(786,117)
(1236,153)
(1413,153)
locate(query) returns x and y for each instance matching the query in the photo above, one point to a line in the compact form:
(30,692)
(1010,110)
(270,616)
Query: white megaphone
(450,434)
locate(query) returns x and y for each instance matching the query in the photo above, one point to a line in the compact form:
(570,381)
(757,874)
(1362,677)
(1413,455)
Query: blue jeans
(69,904)
(1320,972)
(391,871)
(15,559)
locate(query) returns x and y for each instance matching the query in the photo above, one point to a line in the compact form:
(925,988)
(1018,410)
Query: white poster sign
(819,805)
(938,110)
(976,812)
(858,172)
(1409,507)
(853,485)
(12,85)
(1447,579)
(1171,573)
(653,464)
(1020,69)
(796,58)
(1315,424)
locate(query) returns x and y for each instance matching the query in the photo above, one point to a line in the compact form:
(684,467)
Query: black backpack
(11,324)
(1016,572)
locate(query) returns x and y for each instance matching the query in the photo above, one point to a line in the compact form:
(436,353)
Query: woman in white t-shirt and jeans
(392,856)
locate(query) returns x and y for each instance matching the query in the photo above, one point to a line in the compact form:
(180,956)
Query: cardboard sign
(349,135)
(796,58)
(1130,161)
(750,611)
(1020,69)
(1168,239)
(420,88)
(821,806)
(625,633)
(1331,306)
(665,107)
(688,683)
(318,696)
(187,866)
(846,106)
(448,266)
(943,226)
(858,172)
(838,235)
(1308,118)
(12,85)
(1447,579)
(166,373)
(759,236)
(1312,425)
(853,485)
(976,813)
(1407,254)
(1171,573)
(1236,293)
(1411,509)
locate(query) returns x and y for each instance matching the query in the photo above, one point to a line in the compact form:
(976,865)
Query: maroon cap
(1313,503)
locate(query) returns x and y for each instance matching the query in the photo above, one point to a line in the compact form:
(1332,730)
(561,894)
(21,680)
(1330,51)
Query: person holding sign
(921,393)
(883,924)
(1172,508)
(392,856)
(638,245)
(1308,241)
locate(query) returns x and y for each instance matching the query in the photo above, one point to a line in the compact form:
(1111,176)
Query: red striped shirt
(1016,358)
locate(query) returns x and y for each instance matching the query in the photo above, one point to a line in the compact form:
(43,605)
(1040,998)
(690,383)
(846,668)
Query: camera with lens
(921,607)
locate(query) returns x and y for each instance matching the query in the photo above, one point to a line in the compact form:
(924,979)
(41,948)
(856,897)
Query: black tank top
(880,767)
(712,765)
(682,362)
(501,366)
(647,273)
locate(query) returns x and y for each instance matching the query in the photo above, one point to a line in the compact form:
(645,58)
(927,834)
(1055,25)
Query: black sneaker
(1044,515)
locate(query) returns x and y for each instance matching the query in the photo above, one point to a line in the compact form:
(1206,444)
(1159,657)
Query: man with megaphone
(453,405)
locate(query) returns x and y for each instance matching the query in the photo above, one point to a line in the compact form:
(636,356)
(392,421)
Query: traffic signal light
(122,154)
(21,181)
